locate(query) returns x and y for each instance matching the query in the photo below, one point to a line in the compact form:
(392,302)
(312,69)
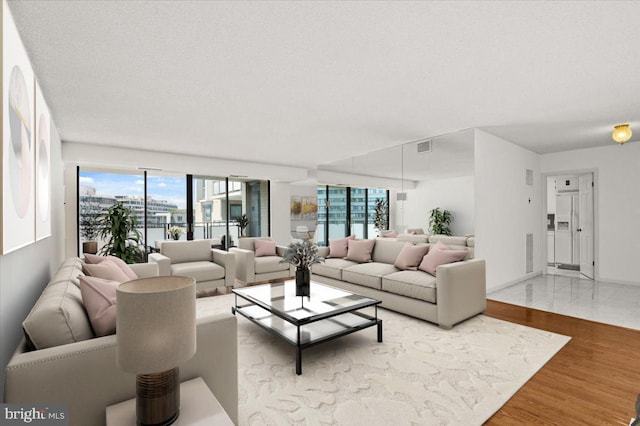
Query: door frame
(596,215)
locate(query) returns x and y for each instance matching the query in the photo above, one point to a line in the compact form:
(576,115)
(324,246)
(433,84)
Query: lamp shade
(155,323)
(621,133)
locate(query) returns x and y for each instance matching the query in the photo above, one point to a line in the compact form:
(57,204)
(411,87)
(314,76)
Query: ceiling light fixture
(621,133)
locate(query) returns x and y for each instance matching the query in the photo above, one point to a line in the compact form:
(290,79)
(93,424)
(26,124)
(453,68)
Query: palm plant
(439,221)
(118,227)
(381,215)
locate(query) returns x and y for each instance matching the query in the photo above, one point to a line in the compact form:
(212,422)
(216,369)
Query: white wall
(25,272)
(454,194)
(280,215)
(617,204)
(506,208)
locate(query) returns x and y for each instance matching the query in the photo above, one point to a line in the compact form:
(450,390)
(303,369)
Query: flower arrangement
(302,254)
(175,232)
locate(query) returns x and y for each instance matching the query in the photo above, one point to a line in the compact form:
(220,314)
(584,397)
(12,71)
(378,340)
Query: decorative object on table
(155,333)
(90,227)
(119,227)
(174,232)
(381,218)
(439,221)
(302,254)
(243,222)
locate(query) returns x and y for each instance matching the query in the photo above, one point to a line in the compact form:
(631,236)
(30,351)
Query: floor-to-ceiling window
(344,210)
(201,207)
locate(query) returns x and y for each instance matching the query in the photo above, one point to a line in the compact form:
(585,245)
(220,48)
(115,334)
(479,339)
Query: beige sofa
(74,368)
(211,268)
(457,292)
(251,269)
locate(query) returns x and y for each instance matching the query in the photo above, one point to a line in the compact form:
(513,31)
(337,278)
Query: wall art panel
(18,140)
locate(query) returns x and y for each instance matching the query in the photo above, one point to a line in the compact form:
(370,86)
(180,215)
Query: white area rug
(420,374)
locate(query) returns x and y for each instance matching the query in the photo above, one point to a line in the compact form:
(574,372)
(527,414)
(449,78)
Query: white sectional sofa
(61,361)
(457,292)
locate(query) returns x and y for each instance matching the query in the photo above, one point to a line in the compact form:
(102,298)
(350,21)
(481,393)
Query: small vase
(303,282)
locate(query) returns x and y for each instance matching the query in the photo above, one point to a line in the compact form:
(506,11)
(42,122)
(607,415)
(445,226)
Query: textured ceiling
(307,83)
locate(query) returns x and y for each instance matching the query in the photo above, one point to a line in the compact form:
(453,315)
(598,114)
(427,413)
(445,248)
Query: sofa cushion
(201,271)
(389,234)
(416,239)
(449,240)
(106,270)
(264,248)
(187,251)
(440,254)
(415,284)
(360,250)
(267,264)
(410,257)
(338,248)
(99,298)
(93,259)
(368,274)
(332,268)
(386,250)
(58,316)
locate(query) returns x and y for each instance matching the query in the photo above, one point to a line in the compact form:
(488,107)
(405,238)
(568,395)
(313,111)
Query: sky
(172,189)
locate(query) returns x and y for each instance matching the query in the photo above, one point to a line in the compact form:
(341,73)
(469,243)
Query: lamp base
(158,398)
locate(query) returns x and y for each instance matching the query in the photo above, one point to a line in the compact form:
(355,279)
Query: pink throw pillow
(99,299)
(264,247)
(338,248)
(410,257)
(106,270)
(93,259)
(360,250)
(440,254)
(389,234)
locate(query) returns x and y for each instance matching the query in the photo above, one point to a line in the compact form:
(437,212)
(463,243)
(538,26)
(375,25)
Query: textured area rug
(420,374)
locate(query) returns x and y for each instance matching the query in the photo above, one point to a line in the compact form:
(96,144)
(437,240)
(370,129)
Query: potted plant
(174,232)
(302,254)
(243,222)
(118,227)
(90,227)
(439,221)
(381,215)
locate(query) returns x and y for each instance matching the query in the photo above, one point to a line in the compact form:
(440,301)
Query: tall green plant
(439,221)
(90,222)
(118,228)
(381,215)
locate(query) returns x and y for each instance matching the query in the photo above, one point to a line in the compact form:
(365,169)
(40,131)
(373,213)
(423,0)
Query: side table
(198,407)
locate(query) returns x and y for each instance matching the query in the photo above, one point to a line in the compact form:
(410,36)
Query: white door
(585,226)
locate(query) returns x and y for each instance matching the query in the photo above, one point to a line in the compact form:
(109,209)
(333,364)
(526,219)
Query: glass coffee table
(304,321)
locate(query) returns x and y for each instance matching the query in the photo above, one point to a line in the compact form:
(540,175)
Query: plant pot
(90,247)
(303,282)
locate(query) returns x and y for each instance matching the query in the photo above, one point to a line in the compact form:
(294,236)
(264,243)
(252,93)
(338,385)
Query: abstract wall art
(42,167)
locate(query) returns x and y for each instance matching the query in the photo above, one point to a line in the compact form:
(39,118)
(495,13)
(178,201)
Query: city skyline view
(168,188)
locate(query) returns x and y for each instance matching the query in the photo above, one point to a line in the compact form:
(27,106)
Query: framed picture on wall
(42,167)
(18,139)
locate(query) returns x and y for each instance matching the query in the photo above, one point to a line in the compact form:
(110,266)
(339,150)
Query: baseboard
(516,281)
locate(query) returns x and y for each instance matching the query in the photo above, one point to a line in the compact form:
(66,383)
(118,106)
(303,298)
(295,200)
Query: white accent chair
(251,269)
(211,268)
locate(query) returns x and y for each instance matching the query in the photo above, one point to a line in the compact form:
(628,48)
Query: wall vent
(529,254)
(424,146)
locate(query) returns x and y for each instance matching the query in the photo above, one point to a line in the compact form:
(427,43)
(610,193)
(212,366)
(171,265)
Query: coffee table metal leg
(379,331)
(298,361)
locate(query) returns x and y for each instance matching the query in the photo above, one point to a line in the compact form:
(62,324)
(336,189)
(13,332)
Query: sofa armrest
(280,250)
(228,261)
(245,264)
(85,377)
(323,251)
(164,263)
(145,270)
(461,291)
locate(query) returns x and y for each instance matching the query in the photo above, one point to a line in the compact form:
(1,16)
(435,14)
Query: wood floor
(593,380)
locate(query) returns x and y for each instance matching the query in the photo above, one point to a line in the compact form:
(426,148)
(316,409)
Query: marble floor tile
(568,294)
